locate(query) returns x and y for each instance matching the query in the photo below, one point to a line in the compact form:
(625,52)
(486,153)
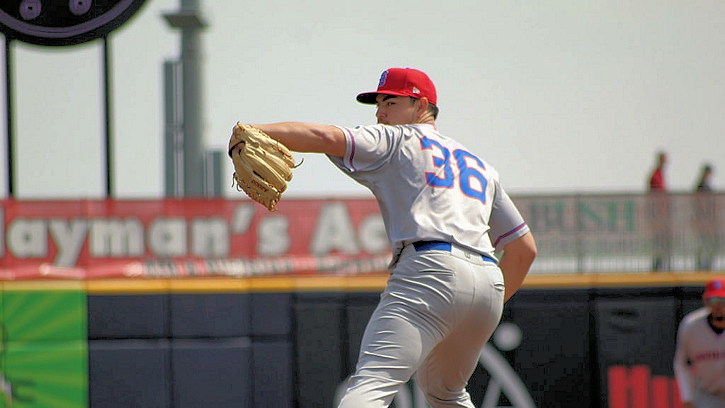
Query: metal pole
(193,107)
(190,21)
(109,138)
(174,130)
(9,106)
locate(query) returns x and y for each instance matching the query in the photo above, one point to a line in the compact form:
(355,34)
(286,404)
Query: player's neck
(427,118)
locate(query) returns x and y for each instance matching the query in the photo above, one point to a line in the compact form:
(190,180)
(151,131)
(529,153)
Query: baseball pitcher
(445,212)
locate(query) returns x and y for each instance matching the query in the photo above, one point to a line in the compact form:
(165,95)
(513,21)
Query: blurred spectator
(657,178)
(705,214)
(659,213)
(705,179)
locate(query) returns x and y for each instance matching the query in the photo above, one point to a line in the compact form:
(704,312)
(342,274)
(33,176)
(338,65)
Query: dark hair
(432,109)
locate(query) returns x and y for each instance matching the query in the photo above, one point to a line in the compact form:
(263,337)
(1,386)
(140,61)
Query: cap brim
(370,97)
(367,98)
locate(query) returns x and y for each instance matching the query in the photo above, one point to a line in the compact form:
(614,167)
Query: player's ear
(422,105)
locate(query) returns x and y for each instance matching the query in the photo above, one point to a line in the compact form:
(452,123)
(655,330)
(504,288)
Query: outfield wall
(585,341)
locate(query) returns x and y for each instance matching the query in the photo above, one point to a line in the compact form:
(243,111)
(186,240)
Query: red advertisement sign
(161,238)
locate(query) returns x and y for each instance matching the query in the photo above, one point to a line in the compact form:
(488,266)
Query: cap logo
(383,78)
(717,285)
(416,90)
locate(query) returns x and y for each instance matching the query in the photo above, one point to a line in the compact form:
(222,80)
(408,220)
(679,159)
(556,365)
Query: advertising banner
(163,238)
(189,237)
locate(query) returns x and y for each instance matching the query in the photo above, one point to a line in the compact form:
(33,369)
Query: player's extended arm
(683,375)
(307,137)
(517,258)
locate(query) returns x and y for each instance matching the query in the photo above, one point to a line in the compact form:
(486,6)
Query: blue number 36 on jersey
(470,180)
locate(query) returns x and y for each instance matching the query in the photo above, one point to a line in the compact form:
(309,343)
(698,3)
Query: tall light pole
(190,21)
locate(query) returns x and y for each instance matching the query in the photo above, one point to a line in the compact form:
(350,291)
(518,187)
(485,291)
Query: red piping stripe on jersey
(352,149)
(495,244)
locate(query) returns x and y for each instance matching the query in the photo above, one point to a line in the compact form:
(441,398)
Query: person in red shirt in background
(659,213)
(657,179)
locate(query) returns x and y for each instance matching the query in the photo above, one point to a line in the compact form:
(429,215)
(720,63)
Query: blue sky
(559,96)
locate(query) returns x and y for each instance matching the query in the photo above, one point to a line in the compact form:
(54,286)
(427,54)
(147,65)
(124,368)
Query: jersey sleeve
(506,222)
(681,366)
(368,147)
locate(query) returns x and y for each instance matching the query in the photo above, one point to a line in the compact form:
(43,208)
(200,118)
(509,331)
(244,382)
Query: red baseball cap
(402,82)
(715,288)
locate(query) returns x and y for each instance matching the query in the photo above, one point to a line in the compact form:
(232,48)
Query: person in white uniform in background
(445,213)
(700,355)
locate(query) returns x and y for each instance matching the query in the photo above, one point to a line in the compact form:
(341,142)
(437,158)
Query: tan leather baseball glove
(262,165)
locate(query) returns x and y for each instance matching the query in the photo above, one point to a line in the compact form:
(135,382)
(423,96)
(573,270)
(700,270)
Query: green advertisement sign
(44,348)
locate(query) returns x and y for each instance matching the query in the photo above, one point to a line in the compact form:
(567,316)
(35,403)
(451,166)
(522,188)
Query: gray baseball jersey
(430,187)
(700,361)
(442,301)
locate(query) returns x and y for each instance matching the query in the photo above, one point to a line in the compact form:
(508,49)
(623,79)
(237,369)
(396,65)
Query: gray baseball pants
(438,310)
